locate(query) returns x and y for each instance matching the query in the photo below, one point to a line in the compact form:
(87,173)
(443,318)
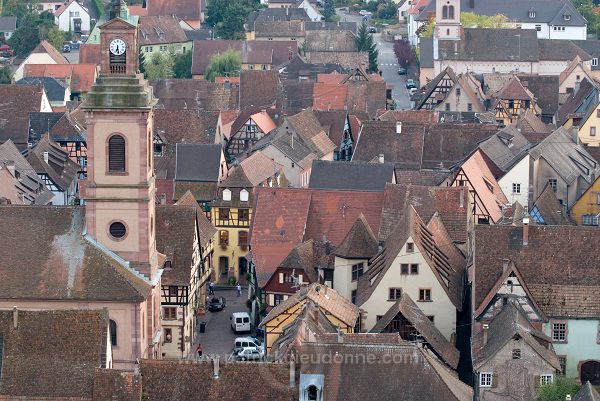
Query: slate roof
(198,34)
(560,50)
(259,167)
(546,11)
(331,26)
(359,176)
(278,28)
(296,94)
(592,47)
(587,393)
(505,148)
(579,104)
(40,123)
(532,128)
(179,380)
(509,323)
(61,170)
(550,209)
(178,94)
(566,157)
(359,243)
(183,9)
(198,163)
(424,378)
(327,298)
(69,128)
(30,366)
(277,14)
(300,67)
(426,201)
(258,88)
(175,234)
(54,88)
(411,312)
(17,102)
(66,265)
(156,30)
(564,284)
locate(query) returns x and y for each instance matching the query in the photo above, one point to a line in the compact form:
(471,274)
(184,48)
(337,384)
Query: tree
(54,36)
(404,52)
(5,74)
(558,390)
(228,16)
(365,43)
(159,65)
(388,12)
(25,38)
(224,64)
(183,65)
(329,10)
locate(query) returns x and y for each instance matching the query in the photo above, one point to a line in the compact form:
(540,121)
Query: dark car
(66,48)
(372,29)
(410,83)
(217,304)
(401,71)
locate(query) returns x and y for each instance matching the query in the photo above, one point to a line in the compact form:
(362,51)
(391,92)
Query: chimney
(46,155)
(216,367)
(525,231)
(505,265)
(15,317)
(163,199)
(486,327)
(398,127)
(292,143)
(292,371)
(340,336)
(381,158)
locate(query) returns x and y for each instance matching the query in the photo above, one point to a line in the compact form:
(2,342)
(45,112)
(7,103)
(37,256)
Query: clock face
(117,47)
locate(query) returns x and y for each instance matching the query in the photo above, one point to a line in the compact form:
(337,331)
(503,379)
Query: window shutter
(116,153)
(495,380)
(272,299)
(285,297)
(299,278)
(536,381)
(280,278)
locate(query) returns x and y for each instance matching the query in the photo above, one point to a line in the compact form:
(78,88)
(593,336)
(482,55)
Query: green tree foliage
(54,36)
(25,38)
(558,390)
(365,43)
(228,16)
(183,65)
(224,64)
(18,8)
(389,11)
(468,20)
(329,10)
(159,65)
(5,74)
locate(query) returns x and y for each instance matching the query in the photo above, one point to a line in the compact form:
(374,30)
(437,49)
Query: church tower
(447,20)
(119,190)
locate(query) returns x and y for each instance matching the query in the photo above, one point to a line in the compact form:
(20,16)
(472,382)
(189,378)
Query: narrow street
(387,63)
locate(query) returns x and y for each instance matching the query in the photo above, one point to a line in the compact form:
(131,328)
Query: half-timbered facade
(451,92)
(486,198)
(231,214)
(513,100)
(248,130)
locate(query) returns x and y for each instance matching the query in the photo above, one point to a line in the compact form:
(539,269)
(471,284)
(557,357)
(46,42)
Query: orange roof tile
(138,9)
(82,76)
(264,121)
(330,78)
(327,96)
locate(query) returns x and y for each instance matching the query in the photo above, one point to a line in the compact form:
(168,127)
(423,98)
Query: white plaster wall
(292,169)
(570,33)
(342,276)
(33,58)
(441,308)
(519,174)
(65,20)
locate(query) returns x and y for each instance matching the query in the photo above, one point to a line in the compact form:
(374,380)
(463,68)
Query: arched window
(116,153)
(312,393)
(445,12)
(112,325)
(450,12)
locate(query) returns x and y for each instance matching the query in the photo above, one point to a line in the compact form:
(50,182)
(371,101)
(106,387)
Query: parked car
(402,71)
(241,343)
(372,29)
(412,91)
(66,48)
(250,354)
(363,12)
(6,51)
(217,304)
(240,321)
(410,83)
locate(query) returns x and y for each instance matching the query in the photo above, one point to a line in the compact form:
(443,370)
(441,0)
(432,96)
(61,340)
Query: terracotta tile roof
(259,167)
(427,201)
(89,53)
(116,385)
(308,127)
(421,176)
(232,80)
(61,170)
(183,9)
(329,41)
(88,273)
(207,229)
(411,312)
(329,300)
(194,381)
(264,121)
(178,94)
(513,89)
(307,257)
(80,77)
(258,88)
(328,96)
(410,116)
(165,187)
(532,127)
(566,284)
(175,234)
(511,321)
(425,378)
(359,243)
(587,393)
(356,175)
(485,185)
(138,9)
(551,211)
(156,30)
(30,367)
(204,49)
(17,102)
(46,47)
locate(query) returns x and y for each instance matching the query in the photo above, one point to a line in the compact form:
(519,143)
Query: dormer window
(244,195)
(567,17)
(226,194)
(531,14)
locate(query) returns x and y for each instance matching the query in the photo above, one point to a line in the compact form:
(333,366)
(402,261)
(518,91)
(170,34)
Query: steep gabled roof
(579,103)
(17,102)
(587,393)
(411,312)
(548,207)
(61,170)
(259,167)
(46,47)
(360,242)
(197,162)
(505,148)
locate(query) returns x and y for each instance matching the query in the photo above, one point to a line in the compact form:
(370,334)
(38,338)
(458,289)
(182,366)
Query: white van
(246,342)
(240,321)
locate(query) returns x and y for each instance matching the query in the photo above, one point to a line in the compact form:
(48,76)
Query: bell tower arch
(447,19)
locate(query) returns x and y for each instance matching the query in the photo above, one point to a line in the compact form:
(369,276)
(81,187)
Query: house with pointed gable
(570,79)
(510,347)
(451,92)
(418,259)
(44,53)
(486,198)
(513,100)
(246,130)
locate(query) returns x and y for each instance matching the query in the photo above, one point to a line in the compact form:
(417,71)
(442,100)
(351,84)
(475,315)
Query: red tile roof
(329,96)
(81,76)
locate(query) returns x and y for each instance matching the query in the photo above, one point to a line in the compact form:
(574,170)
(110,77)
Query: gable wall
(520,173)
(292,169)
(587,203)
(584,133)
